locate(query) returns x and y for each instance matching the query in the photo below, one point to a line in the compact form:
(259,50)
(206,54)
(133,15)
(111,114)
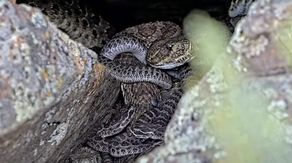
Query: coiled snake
(157,45)
(161,45)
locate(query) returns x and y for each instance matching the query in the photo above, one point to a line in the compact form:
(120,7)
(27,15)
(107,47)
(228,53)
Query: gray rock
(52,88)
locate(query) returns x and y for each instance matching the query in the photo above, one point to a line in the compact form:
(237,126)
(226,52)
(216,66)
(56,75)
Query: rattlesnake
(171,49)
(64,16)
(139,96)
(126,142)
(144,128)
(76,20)
(140,135)
(90,35)
(238,9)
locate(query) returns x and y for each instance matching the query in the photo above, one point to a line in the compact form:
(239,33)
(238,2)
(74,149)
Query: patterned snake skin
(134,141)
(238,9)
(164,45)
(148,123)
(139,73)
(158,44)
(162,42)
(140,123)
(152,124)
(137,98)
(78,21)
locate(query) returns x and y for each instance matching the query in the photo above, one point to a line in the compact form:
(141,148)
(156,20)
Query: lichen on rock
(52,88)
(240,110)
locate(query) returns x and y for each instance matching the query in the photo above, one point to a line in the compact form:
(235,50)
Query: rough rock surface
(262,69)
(52,88)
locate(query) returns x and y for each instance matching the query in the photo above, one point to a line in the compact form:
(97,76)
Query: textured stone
(252,83)
(52,88)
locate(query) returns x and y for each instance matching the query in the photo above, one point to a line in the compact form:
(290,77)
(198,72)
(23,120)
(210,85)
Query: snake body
(137,96)
(148,123)
(238,9)
(152,124)
(164,45)
(137,73)
(76,20)
(138,140)
(145,96)
(156,44)
(160,44)
(139,126)
(125,44)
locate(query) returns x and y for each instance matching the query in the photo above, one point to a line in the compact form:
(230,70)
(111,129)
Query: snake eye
(169,46)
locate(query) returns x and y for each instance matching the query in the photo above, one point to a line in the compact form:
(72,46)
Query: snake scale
(238,9)
(145,123)
(140,124)
(160,45)
(76,20)
(141,83)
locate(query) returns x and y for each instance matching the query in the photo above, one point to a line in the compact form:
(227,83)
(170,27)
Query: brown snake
(139,126)
(166,47)
(160,44)
(166,41)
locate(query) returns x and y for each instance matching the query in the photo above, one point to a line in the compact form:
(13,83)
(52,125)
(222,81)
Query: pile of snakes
(151,62)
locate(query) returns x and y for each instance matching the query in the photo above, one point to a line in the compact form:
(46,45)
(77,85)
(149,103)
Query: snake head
(169,53)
